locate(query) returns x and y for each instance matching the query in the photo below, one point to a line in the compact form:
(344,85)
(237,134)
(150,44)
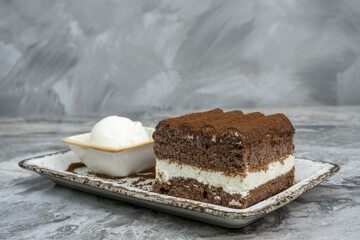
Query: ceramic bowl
(113,161)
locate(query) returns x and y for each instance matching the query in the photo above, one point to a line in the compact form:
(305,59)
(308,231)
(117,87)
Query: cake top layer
(188,118)
(217,125)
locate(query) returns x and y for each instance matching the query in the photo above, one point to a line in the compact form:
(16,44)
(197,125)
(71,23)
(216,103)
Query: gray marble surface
(33,207)
(75,56)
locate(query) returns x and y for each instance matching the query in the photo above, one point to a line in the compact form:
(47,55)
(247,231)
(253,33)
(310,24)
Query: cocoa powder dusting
(143,175)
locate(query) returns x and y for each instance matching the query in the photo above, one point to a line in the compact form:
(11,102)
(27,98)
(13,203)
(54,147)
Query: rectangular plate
(308,174)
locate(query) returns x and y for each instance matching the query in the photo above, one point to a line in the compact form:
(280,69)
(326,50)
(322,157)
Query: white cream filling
(235,203)
(166,170)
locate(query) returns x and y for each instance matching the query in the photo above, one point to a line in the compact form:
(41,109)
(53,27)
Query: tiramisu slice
(225,158)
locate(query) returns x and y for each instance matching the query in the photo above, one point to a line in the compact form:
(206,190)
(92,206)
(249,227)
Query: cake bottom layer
(233,184)
(192,189)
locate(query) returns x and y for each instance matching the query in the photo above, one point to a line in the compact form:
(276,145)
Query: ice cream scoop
(118,132)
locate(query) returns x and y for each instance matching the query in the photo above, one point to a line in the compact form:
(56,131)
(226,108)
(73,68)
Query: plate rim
(212,209)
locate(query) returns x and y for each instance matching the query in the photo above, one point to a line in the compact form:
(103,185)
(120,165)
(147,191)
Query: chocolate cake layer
(208,133)
(232,128)
(259,130)
(233,145)
(172,123)
(192,189)
(193,126)
(222,158)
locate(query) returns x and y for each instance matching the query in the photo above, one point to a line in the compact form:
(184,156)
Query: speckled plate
(308,174)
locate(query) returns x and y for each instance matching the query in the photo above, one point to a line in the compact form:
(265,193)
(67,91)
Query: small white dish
(118,162)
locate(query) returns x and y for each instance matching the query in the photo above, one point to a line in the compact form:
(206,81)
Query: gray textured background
(110,56)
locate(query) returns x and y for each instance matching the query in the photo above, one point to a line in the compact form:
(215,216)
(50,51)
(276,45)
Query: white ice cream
(118,132)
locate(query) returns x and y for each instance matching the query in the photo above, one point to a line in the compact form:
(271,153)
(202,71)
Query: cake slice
(225,158)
